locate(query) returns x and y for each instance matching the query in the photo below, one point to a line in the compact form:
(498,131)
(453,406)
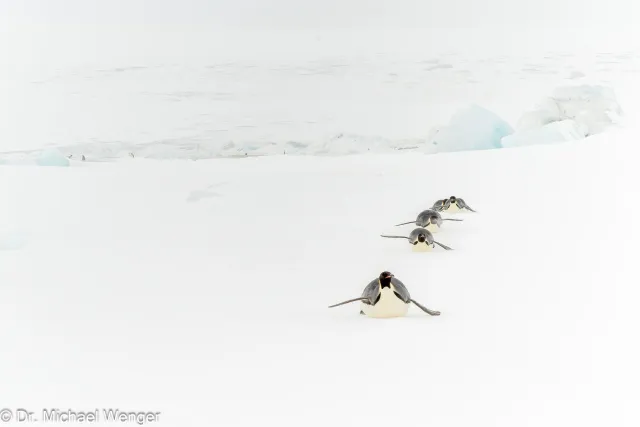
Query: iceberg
(52,157)
(551,133)
(593,107)
(474,128)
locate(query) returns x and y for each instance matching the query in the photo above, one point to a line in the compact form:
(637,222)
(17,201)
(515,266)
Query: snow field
(200,289)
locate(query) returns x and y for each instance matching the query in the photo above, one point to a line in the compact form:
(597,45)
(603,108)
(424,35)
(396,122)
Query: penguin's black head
(452,199)
(422,238)
(385,279)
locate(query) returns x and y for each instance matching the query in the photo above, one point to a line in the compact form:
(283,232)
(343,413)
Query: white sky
(323,14)
(52,30)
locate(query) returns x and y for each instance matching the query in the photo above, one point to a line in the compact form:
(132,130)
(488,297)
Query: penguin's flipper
(405,223)
(394,237)
(452,219)
(464,205)
(443,246)
(348,301)
(438,205)
(425,309)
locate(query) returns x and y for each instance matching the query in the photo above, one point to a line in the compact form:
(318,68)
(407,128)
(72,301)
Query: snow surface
(200,289)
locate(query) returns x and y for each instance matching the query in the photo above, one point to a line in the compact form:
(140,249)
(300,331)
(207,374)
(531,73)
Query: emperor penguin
(429,219)
(386,297)
(452,204)
(421,240)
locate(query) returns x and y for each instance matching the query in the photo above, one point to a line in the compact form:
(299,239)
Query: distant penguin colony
(386,296)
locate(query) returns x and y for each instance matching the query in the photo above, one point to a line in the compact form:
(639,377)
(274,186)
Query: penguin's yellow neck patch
(453,208)
(433,228)
(421,247)
(388,306)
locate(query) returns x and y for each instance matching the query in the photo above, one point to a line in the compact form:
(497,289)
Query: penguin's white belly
(453,208)
(421,247)
(389,305)
(433,228)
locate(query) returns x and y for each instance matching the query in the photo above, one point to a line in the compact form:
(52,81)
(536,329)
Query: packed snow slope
(201,289)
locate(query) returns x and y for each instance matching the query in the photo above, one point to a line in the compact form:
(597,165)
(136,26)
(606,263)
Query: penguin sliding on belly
(386,297)
(421,240)
(452,205)
(429,219)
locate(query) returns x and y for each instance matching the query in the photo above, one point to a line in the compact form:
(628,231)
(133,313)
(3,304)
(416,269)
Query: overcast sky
(322,14)
(57,28)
